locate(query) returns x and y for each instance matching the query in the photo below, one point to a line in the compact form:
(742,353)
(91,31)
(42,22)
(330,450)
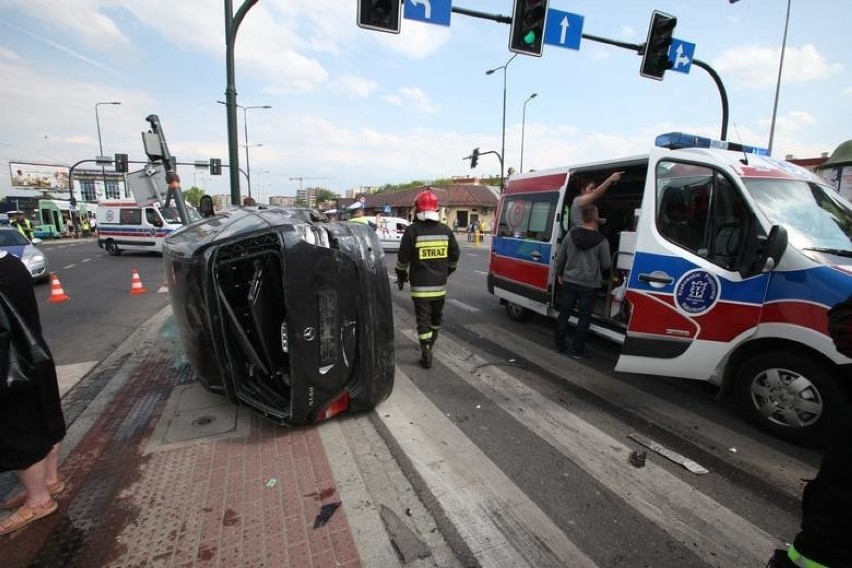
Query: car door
(689,303)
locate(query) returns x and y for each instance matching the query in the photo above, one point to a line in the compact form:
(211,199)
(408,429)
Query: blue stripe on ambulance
(749,291)
(522,249)
(822,285)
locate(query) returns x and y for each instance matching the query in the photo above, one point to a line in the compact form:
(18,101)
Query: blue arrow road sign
(564,29)
(429,11)
(681,54)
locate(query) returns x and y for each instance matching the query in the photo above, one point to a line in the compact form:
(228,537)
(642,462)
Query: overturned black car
(286,315)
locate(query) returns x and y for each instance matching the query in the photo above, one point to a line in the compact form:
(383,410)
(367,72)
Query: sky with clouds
(354,107)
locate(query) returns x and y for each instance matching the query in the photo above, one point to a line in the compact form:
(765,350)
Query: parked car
(34,258)
(389,230)
(282,314)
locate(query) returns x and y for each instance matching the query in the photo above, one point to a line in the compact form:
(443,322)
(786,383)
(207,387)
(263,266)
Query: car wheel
(112,248)
(517,313)
(787,395)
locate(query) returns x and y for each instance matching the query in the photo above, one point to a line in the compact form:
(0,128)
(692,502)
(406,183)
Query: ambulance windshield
(815,216)
(172,217)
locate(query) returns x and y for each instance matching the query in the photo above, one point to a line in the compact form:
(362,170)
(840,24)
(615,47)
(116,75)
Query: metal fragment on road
(637,458)
(689,464)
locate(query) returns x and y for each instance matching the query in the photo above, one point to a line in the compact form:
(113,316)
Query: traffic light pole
(638,48)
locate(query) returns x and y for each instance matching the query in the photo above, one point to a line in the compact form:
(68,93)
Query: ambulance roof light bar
(679,140)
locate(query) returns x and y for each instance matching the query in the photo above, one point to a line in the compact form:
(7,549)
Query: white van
(725,264)
(389,230)
(124,225)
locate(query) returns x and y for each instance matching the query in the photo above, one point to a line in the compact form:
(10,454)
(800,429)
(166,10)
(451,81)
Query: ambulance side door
(689,303)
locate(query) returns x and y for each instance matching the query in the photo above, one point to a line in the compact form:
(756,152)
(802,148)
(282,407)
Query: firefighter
(428,254)
(823,540)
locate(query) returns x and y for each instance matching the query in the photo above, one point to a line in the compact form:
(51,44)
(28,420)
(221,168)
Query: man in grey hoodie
(583,254)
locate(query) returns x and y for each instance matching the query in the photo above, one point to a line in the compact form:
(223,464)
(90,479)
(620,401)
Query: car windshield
(816,216)
(12,239)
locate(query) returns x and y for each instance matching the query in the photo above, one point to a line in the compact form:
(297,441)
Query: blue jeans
(571,295)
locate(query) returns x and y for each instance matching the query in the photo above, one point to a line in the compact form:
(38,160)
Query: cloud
(412,98)
(416,40)
(847,91)
(755,67)
(357,86)
(82,18)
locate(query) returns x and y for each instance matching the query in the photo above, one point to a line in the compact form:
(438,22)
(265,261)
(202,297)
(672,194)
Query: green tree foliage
(193,195)
(324,196)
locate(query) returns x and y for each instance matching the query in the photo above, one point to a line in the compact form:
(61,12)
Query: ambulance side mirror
(773,249)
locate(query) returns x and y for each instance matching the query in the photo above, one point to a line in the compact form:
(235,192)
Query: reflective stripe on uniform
(801,561)
(428,291)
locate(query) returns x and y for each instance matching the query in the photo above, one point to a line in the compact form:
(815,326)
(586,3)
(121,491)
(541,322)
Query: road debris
(673,456)
(637,458)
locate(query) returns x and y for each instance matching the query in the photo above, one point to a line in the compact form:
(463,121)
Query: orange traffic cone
(136,285)
(57,294)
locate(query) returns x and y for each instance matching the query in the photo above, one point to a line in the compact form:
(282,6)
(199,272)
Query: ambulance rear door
(692,291)
(523,243)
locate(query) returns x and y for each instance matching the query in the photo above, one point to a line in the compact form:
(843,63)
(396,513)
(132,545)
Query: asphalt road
(514,443)
(101,312)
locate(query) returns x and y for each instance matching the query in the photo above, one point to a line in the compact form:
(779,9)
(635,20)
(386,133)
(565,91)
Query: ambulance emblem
(696,292)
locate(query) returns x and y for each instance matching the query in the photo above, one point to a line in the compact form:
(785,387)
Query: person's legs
(52,466)
(566,305)
(34,480)
(423,315)
(437,318)
(587,302)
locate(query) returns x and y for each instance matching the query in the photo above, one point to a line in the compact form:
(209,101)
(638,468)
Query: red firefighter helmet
(426,206)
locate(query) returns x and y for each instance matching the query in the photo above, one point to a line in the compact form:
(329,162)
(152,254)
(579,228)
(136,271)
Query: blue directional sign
(429,11)
(681,54)
(564,29)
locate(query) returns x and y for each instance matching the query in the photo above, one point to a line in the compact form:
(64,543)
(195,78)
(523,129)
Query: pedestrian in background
(823,540)
(31,420)
(584,252)
(428,254)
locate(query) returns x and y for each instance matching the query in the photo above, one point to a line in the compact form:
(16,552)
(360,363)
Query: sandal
(25,515)
(14,502)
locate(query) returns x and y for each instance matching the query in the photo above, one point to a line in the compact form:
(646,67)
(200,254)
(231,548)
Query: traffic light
(215,167)
(380,15)
(528,19)
(655,58)
(474,158)
(121,163)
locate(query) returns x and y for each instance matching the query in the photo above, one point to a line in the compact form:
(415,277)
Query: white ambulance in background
(725,263)
(125,225)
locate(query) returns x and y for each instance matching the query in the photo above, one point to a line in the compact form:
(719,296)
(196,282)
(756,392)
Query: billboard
(40,177)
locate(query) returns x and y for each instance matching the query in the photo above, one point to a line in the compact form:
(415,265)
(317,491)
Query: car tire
(788,395)
(517,313)
(112,248)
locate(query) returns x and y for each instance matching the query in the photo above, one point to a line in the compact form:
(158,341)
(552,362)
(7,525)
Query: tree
(193,195)
(324,195)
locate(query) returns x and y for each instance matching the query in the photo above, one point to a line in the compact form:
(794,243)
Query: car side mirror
(205,206)
(36,241)
(773,249)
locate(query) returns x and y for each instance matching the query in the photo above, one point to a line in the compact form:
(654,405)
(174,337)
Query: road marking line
(490,512)
(775,466)
(714,533)
(462,305)
(481,272)
(69,266)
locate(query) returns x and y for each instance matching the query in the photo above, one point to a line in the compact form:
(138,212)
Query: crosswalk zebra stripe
(499,523)
(713,532)
(779,468)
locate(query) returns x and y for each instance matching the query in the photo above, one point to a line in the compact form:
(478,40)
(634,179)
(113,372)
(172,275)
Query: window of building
(87,190)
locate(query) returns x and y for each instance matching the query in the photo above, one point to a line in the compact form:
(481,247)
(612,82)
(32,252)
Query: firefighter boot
(426,354)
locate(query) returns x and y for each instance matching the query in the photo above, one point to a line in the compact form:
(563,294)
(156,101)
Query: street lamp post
(245,131)
(523,127)
(100,142)
(503,143)
(778,82)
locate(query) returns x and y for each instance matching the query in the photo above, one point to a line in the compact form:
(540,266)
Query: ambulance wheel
(112,248)
(788,395)
(517,313)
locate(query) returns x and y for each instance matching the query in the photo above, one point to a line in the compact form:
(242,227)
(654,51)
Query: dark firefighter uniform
(428,254)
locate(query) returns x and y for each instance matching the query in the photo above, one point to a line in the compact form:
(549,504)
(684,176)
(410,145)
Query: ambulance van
(725,262)
(125,225)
